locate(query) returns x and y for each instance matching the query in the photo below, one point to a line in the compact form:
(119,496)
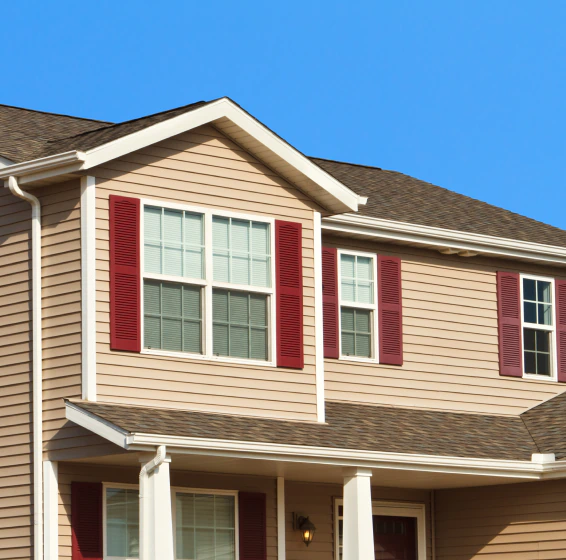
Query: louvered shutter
(86,520)
(509,324)
(561,328)
(125,305)
(330,302)
(390,310)
(252,526)
(289,287)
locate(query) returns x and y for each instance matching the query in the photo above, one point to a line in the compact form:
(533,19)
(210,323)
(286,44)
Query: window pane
(348,344)
(173,242)
(348,290)
(543,341)
(530,362)
(529,339)
(363,345)
(364,268)
(530,311)
(365,292)
(529,289)
(543,291)
(152,237)
(205,527)
(543,364)
(172,317)
(240,325)
(347,264)
(544,314)
(356,332)
(356,279)
(347,319)
(537,353)
(122,522)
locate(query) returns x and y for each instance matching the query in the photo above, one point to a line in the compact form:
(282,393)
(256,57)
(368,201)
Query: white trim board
(233,121)
(444,240)
(537,469)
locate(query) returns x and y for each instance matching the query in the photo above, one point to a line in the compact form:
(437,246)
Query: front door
(395,538)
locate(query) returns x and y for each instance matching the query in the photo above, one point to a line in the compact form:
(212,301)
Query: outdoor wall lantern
(302,523)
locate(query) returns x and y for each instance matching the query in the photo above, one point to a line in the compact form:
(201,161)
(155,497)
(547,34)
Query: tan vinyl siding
(203,168)
(16,533)
(317,501)
(515,522)
(69,472)
(449,336)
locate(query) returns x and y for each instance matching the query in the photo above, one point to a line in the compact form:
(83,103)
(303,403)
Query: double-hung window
(208,283)
(358,305)
(204,521)
(538,326)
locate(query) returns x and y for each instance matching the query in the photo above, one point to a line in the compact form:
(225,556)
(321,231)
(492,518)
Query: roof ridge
(54,114)
(349,163)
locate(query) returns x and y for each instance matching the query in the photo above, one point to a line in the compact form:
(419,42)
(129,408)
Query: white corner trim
(96,425)
(318,319)
(50,510)
(457,242)
(88,287)
(281,533)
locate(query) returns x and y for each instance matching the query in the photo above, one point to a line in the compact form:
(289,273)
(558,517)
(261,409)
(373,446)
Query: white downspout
(37,389)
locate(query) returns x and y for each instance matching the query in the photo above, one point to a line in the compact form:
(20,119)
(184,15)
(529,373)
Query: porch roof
(348,427)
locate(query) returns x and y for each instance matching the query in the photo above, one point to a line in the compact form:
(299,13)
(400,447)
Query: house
(216,348)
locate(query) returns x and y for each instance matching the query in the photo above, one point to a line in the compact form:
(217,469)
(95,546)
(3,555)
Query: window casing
(538,317)
(205,523)
(195,259)
(357,293)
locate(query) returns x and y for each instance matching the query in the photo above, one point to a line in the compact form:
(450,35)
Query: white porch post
(50,510)
(358,522)
(156,522)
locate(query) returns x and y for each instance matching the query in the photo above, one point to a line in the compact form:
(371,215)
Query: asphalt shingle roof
(395,196)
(27,134)
(349,426)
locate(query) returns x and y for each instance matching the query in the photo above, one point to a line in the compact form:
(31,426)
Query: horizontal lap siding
(516,522)
(16,532)
(450,341)
(61,283)
(203,168)
(69,472)
(317,501)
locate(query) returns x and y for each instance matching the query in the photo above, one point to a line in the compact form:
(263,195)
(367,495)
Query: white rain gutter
(37,389)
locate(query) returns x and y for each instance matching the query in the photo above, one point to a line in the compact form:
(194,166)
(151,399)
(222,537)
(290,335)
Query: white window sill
(222,359)
(359,359)
(534,377)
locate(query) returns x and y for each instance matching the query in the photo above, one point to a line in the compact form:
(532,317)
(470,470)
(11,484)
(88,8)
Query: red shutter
(390,310)
(330,302)
(252,526)
(125,304)
(561,328)
(86,520)
(289,270)
(509,324)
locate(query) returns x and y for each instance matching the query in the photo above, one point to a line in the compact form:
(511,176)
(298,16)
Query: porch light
(305,525)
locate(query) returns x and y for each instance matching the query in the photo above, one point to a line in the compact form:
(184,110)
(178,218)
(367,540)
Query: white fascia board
(223,108)
(444,238)
(54,163)
(344,457)
(96,425)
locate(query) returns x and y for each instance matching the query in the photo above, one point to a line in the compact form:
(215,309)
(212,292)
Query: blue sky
(467,95)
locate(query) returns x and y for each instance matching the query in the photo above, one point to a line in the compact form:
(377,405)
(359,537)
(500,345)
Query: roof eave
(444,240)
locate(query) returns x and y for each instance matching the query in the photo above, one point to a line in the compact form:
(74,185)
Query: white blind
(205,527)
(241,252)
(239,324)
(356,277)
(172,316)
(173,242)
(122,523)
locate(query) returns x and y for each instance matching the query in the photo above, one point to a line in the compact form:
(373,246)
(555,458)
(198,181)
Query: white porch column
(156,522)
(50,510)
(358,522)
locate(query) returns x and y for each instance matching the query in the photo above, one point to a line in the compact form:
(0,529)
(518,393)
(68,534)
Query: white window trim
(393,509)
(208,284)
(373,307)
(174,491)
(552,329)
